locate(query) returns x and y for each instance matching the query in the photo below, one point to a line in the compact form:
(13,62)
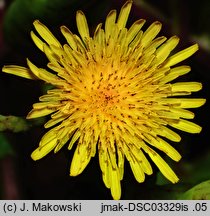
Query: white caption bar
(104,207)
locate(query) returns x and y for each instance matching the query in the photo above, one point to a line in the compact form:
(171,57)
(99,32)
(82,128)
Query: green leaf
(198,192)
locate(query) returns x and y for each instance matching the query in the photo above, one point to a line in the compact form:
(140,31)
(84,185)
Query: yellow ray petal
(82,25)
(63,135)
(69,37)
(54,121)
(115,184)
(106,177)
(74,138)
(186,126)
(136,41)
(110,22)
(112,158)
(46,34)
(43,74)
(183,102)
(191,103)
(80,159)
(106,167)
(33,68)
(58,52)
(36,113)
(39,43)
(182,113)
(40,152)
(174,73)
(50,78)
(164,50)
(19,71)
(151,33)
(169,150)
(162,165)
(186,86)
(163,146)
(137,171)
(181,56)
(156,43)
(61,143)
(121,159)
(48,97)
(52,57)
(48,137)
(124,13)
(49,104)
(133,152)
(145,164)
(134,29)
(169,134)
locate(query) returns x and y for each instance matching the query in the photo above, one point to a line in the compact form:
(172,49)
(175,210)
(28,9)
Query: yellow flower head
(112,96)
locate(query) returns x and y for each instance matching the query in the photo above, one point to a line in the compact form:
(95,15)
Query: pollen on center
(103,91)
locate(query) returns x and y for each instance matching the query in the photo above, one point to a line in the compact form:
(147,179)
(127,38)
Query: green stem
(13,123)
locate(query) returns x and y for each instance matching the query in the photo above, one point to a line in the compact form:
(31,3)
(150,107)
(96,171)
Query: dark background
(21,177)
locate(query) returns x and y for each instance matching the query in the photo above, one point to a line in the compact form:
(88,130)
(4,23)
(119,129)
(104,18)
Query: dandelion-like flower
(113,96)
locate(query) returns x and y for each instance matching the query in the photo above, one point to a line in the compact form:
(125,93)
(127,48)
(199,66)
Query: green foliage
(21,14)
(198,192)
(5,147)
(13,123)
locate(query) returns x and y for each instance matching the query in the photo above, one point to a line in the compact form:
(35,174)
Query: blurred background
(20,176)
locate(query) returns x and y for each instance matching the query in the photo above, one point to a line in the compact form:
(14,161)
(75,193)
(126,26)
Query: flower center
(105,97)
